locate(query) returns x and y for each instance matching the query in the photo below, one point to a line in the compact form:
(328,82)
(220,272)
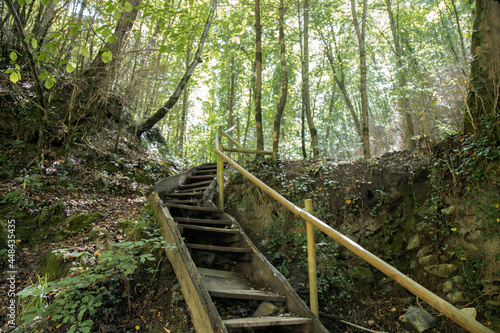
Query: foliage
(99,281)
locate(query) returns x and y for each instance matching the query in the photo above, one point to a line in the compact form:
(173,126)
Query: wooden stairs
(228,285)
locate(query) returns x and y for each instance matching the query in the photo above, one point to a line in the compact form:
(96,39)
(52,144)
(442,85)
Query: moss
(75,225)
(53,267)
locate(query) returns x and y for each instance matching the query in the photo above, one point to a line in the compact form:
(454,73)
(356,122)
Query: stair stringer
(204,314)
(261,272)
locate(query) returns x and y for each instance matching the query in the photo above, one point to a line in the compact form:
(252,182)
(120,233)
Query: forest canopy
(339,79)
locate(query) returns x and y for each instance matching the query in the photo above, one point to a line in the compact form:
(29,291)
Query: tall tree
(483,103)
(163,110)
(284,80)
(404,110)
(306,101)
(258,77)
(361,33)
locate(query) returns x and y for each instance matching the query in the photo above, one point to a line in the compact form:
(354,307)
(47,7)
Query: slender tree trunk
(402,96)
(159,114)
(185,106)
(302,107)
(341,84)
(483,103)
(258,74)
(284,81)
(362,66)
(305,84)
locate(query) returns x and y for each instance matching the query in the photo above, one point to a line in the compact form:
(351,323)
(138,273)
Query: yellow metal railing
(412,286)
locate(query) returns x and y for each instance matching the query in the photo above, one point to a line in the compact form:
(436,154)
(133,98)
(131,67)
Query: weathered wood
(198,177)
(202,221)
(209,230)
(234,281)
(219,273)
(184,194)
(265,321)
(188,207)
(248,151)
(258,295)
(206,171)
(197,184)
(195,189)
(203,312)
(184,201)
(216,248)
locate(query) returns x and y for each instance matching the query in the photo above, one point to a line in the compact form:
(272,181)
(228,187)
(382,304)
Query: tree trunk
(341,84)
(483,109)
(258,83)
(185,106)
(404,111)
(284,81)
(362,68)
(160,113)
(302,109)
(305,84)
(100,74)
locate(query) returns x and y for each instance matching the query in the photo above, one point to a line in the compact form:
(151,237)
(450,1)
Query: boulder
(419,318)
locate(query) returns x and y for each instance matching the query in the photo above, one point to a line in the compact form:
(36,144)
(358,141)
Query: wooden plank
(184,201)
(197,184)
(246,294)
(184,194)
(265,321)
(187,207)
(216,248)
(216,283)
(211,230)
(201,188)
(201,221)
(206,171)
(219,273)
(198,177)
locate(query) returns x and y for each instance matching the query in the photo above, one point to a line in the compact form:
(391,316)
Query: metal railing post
(311,259)
(220,175)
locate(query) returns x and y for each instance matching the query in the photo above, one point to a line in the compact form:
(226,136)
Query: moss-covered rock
(53,267)
(75,224)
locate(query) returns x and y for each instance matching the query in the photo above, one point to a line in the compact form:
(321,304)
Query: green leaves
(15,76)
(107,56)
(50,82)
(13,56)
(127,7)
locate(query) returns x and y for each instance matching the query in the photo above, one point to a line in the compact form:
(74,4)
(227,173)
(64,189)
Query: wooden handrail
(432,299)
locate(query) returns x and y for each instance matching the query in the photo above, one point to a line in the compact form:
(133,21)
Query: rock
(447,286)
(419,318)
(361,273)
(424,251)
(265,309)
(407,300)
(458,279)
(442,270)
(428,260)
(413,264)
(471,312)
(457,297)
(414,242)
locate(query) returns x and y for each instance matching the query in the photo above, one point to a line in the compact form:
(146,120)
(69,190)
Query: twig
(361,327)
(342,320)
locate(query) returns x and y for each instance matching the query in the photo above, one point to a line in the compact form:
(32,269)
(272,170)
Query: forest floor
(89,181)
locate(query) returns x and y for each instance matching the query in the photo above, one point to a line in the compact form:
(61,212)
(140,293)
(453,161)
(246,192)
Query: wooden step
(197,184)
(201,221)
(208,230)
(206,171)
(188,190)
(215,279)
(200,177)
(196,202)
(184,194)
(215,248)
(257,295)
(196,208)
(265,321)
